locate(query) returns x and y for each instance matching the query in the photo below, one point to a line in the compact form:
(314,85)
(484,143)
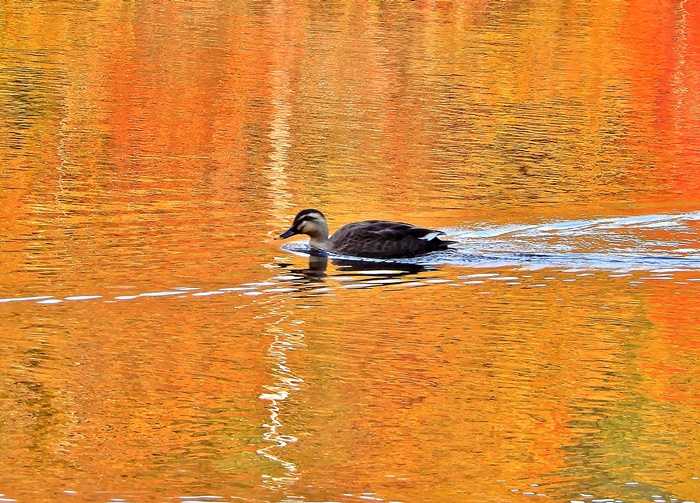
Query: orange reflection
(152,146)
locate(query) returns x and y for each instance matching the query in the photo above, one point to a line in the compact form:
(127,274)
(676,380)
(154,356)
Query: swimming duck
(370,238)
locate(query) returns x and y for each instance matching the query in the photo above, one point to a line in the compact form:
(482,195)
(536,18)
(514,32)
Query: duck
(369,238)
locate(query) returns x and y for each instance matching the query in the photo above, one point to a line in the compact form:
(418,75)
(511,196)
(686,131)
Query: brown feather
(382,239)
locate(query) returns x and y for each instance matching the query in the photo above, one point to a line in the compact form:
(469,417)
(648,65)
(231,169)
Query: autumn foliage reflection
(154,145)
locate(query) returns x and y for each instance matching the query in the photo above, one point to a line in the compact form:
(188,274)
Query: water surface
(161,345)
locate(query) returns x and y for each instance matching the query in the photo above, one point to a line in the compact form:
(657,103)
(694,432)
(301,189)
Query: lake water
(160,345)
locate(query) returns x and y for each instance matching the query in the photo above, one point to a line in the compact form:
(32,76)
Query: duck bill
(289,232)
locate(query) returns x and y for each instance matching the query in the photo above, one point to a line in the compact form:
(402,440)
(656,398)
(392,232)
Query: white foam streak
(25,299)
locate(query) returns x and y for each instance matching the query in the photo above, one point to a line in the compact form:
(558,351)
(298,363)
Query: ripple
(480,248)
(25,299)
(166,293)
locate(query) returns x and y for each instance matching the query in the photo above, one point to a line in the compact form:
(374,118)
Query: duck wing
(384,239)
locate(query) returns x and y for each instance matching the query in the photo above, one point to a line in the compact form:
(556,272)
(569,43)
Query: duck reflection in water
(366,274)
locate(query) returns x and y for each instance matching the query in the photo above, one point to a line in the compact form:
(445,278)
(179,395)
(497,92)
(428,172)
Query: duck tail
(441,244)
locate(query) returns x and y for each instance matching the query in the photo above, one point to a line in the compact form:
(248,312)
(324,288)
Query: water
(160,344)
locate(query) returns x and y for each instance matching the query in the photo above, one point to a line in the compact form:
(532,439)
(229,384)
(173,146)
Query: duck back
(384,239)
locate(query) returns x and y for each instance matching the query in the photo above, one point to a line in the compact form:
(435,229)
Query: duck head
(310,222)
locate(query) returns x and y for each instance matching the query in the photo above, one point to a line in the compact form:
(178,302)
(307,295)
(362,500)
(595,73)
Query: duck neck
(319,238)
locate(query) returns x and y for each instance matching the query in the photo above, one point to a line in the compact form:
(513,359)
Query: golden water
(160,345)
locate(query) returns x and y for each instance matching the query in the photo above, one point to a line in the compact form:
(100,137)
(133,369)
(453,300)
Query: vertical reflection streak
(279,139)
(285,382)
(62,152)
(679,74)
